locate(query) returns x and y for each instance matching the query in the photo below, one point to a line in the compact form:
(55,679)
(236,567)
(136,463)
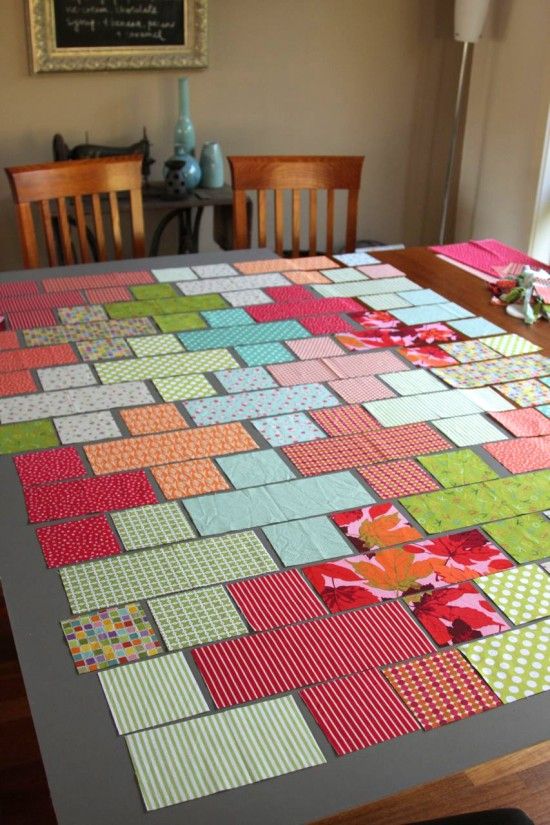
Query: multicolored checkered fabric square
(110,637)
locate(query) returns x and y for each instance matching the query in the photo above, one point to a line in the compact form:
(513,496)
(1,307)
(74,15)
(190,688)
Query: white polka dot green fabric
(152,525)
(515,664)
(521,593)
(187,619)
(164,366)
(183,387)
(155,345)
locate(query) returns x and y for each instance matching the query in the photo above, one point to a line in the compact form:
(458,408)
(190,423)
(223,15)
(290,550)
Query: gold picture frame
(147,19)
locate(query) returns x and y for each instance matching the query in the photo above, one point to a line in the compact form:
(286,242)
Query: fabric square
(275,600)
(32,435)
(83,314)
(307,277)
(528,393)
(405,336)
(179,321)
(237,335)
(152,525)
(427,356)
(468,351)
(165,366)
(147,291)
(343,275)
(412,382)
(90,495)
(153,418)
(487,399)
(431,313)
(174,273)
(73,542)
(8,340)
(523,422)
(511,344)
(525,538)
(103,348)
(152,692)
(216,318)
(110,637)
(285,264)
(32,318)
(358,581)
(8,288)
(231,284)
(222,270)
(253,469)
(521,455)
(474,327)
(456,614)
(286,294)
(246,379)
(453,469)
(189,478)
(367,388)
(381,271)
(356,258)
(352,418)
(238,747)
(49,465)
(108,294)
(498,371)
(515,663)
(298,309)
(327,324)
(247,297)
(75,429)
(544,409)
(370,528)
(288,429)
(62,378)
(358,711)
(61,284)
(467,430)
(422,297)
(155,345)
(369,363)
(397,478)
(259,354)
(522,593)
(440,689)
(196,617)
(17,383)
(24,359)
(307,348)
(183,387)
(306,540)
(387,300)
(301,372)
(366,287)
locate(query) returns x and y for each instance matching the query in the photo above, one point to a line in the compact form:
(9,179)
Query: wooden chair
(294,173)
(56,182)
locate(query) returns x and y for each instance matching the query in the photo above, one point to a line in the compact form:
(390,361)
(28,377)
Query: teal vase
(184,135)
(212,165)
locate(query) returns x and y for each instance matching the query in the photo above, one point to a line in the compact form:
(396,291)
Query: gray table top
(87,765)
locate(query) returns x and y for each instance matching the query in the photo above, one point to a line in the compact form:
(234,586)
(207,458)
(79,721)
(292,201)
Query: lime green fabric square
(525,538)
(454,469)
(521,593)
(184,387)
(31,435)
(179,321)
(148,292)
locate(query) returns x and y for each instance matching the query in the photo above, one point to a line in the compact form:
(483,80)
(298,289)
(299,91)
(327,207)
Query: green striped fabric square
(152,692)
(511,344)
(152,525)
(225,750)
(187,619)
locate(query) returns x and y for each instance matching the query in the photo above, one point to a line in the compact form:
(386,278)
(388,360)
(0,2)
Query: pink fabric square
(17,383)
(9,340)
(486,255)
(97,281)
(313,306)
(32,318)
(106,294)
(43,466)
(22,303)
(381,271)
(301,372)
(73,542)
(365,388)
(345,420)
(521,455)
(326,324)
(306,348)
(287,294)
(369,363)
(358,711)
(90,495)
(398,478)
(18,288)
(527,421)
(276,600)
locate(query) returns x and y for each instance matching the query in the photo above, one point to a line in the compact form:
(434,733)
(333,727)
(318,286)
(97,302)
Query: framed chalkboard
(97,35)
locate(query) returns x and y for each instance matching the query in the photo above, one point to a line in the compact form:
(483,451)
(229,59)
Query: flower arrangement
(518,293)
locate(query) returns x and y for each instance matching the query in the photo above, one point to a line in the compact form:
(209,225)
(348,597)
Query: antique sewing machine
(91,150)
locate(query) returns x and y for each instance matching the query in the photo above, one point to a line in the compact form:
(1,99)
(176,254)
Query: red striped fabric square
(98,281)
(107,294)
(18,288)
(251,667)
(314,306)
(43,466)
(275,600)
(32,318)
(21,303)
(358,711)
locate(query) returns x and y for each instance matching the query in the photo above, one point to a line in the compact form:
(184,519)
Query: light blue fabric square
(273,503)
(255,468)
(419,297)
(174,273)
(288,429)
(258,354)
(343,275)
(356,259)
(544,409)
(472,327)
(245,334)
(245,379)
(431,313)
(227,317)
(307,540)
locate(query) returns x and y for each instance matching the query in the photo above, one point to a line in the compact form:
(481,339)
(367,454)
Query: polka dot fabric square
(110,637)
(49,465)
(441,689)
(522,593)
(288,429)
(75,541)
(398,478)
(154,418)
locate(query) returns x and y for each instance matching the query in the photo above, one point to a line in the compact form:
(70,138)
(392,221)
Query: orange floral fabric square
(190,478)
(154,418)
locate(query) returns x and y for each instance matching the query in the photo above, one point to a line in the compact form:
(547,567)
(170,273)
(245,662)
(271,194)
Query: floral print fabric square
(380,525)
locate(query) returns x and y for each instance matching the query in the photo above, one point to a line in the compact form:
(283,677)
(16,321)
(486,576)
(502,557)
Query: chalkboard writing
(119,23)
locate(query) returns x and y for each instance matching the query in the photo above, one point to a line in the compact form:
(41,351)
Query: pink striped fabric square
(286,294)
(365,363)
(357,390)
(18,288)
(275,600)
(345,419)
(358,711)
(97,281)
(32,318)
(274,661)
(306,348)
(106,294)
(326,324)
(301,372)
(22,303)
(380,271)
(398,478)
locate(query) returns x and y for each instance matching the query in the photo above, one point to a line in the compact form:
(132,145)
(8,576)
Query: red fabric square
(275,600)
(97,281)
(287,294)
(107,294)
(398,478)
(22,303)
(32,318)
(75,541)
(9,340)
(35,357)
(326,324)
(90,495)
(18,288)
(523,422)
(345,420)
(314,306)
(521,455)
(17,383)
(49,465)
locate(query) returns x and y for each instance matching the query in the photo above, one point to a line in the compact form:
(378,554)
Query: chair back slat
(78,179)
(279,173)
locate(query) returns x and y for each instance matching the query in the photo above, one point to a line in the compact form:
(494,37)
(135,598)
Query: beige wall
(506,123)
(371,77)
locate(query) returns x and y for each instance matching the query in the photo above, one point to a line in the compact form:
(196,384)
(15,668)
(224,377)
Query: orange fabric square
(190,478)
(154,418)
(17,383)
(165,448)
(305,277)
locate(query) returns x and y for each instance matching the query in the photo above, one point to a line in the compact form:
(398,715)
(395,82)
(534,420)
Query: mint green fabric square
(152,525)
(307,540)
(256,355)
(253,469)
(227,317)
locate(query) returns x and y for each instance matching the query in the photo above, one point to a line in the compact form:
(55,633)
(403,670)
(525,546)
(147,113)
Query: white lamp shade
(470,17)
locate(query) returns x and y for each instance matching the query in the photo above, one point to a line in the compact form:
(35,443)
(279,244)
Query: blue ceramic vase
(182,174)
(184,134)
(212,165)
